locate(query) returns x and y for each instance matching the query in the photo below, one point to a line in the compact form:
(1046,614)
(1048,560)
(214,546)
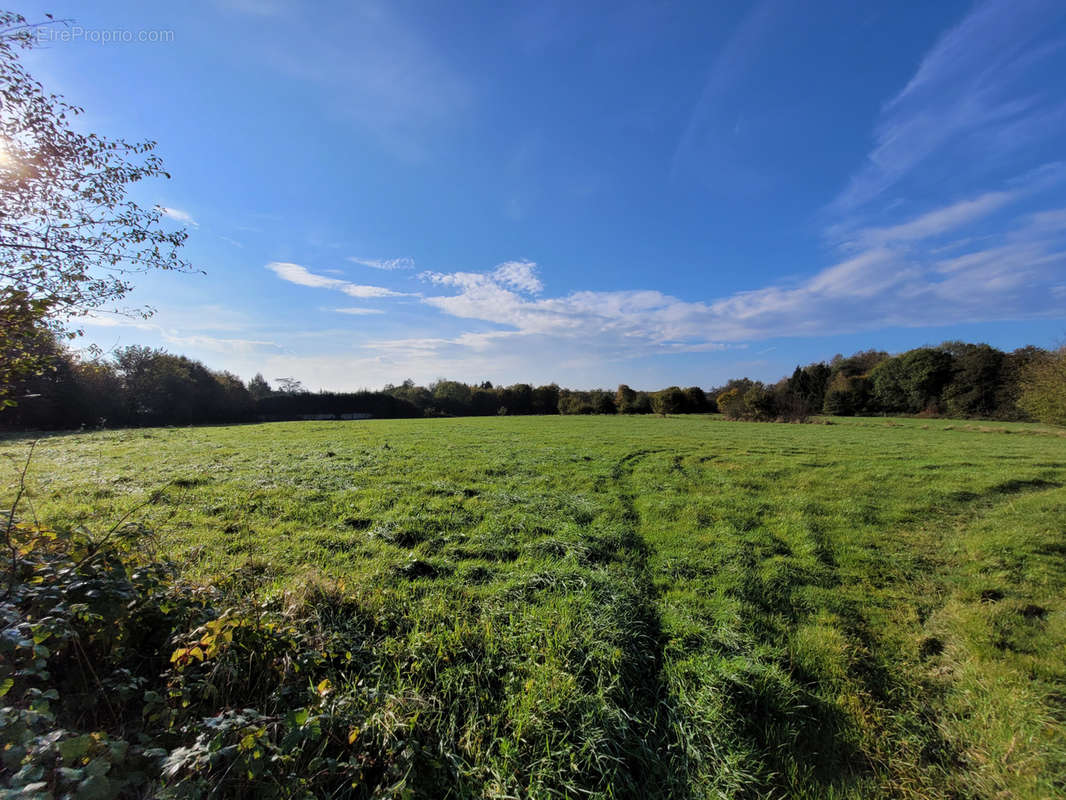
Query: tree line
(145,386)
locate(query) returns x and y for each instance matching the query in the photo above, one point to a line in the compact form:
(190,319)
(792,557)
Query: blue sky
(648,192)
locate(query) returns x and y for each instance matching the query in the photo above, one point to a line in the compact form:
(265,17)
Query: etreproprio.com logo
(50,34)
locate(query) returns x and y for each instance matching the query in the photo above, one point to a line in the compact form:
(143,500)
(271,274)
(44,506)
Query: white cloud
(225,345)
(385,263)
(937,222)
(521,275)
(1007,276)
(301,276)
(176,214)
(367,292)
(294,273)
(357,311)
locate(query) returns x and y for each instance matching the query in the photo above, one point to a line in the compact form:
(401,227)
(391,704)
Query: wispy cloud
(968,93)
(197,328)
(706,123)
(259,8)
(384,263)
(936,223)
(383,72)
(176,214)
(301,276)
(357,312)
(225,345)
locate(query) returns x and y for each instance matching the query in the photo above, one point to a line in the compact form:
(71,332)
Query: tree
(668,401)
(546,399)
(731,403)
(289,386)
(603,402)
(1043,388)
(759,403)
(26,348)
(1015,366)
(846,395)
(575,402)
(234,401)
(452,397)
(695,401)
(624,399)
(518,398)
(258,387)
(792,397)
(70,237)
(858,364)
(806,389)
(976,379)
(926,371)
(888,383)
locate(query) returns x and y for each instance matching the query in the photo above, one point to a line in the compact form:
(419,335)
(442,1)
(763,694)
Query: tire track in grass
(742,723)
(656,755)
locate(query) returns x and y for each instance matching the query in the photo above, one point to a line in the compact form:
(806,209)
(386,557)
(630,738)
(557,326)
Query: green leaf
(72,749)
(5,685)
(95,787)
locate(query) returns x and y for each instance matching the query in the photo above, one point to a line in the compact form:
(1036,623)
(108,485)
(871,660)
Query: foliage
(668,401)
(1043,393)
(977,375)
(731,404)
(258,387)
(847,395)
(596,401)
(70,236)
(27,347)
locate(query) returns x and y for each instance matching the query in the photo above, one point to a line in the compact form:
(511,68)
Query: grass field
(643,607)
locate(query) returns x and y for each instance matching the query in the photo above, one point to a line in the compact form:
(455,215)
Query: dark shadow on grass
(1006,488)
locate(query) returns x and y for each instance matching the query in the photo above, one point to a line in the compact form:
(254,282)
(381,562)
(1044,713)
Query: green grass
(643,607)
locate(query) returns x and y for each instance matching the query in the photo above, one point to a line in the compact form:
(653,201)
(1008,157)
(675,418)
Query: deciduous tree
(1043,394)
(70,235)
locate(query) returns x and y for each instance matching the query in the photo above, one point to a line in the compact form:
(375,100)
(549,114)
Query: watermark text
(53,34)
